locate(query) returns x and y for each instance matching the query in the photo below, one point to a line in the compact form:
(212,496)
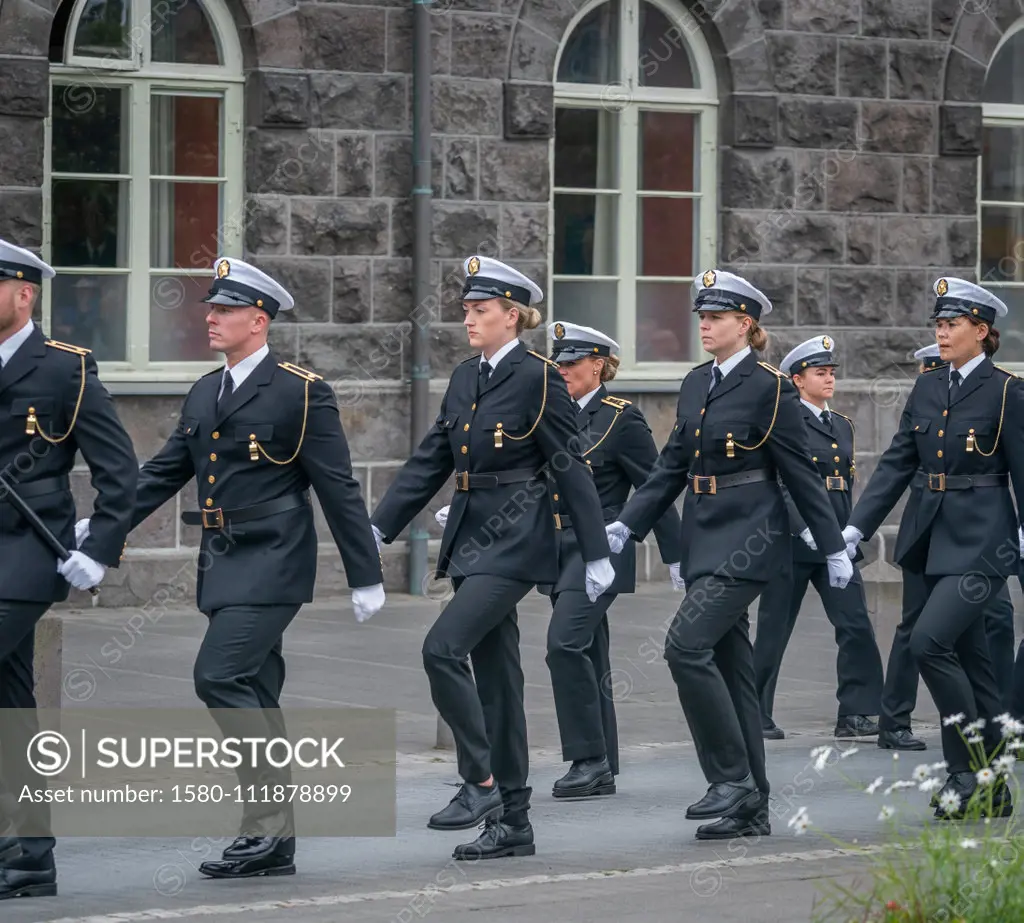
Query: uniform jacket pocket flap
(188,425)
(919,424)
(972,427)
(447,420)
(262,432)
(510,421)
(738,431)
(23,406)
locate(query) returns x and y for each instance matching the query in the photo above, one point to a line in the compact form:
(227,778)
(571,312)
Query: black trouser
(487,719)
(899,695)
(949,645)
(19,724)
(858,662)
(240,671)
(580,663)
(712,662)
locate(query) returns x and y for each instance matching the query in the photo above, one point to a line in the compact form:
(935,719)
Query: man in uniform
(255,435)
(52,405)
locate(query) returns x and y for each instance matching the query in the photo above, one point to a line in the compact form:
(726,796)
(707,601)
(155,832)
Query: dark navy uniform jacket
(750,427)
(951,525)
(834,454)
(278,434)
(501,443)
(618,447)
(52,389)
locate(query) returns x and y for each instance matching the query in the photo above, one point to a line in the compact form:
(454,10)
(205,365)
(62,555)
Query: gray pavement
(630,854)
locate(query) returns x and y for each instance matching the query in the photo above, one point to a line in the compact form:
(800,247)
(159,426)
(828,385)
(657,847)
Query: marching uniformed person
(929,358)
(738,427)
(618,447)
(256,434)
(832,442)
(961,439)
(52,405)
(505,421)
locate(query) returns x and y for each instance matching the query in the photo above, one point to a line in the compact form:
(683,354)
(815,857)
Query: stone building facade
(844,178)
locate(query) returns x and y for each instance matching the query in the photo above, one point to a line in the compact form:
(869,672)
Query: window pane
(585,235)
(664,321)
(104,30)
(668,152)
(182,34)
(90,223)
(586,149)
(591,54)
(185,136)
(185,224)
(1002,171)
(1005,80)
(666,236)
(91,311)
(1011,327)
(664,53)
(585,302)
(87,129)
(177,319)
(1002,244)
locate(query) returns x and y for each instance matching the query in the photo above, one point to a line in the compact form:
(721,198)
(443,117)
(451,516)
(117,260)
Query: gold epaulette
(773,370)
(69,348)
(619,403)
(301,372)
(1007,371)
(553,365)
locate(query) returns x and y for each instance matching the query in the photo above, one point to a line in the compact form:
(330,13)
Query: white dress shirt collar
(967,367)
(10,346)
(734,360)
(583,401)
(816,410)
(242,370)
(500,354)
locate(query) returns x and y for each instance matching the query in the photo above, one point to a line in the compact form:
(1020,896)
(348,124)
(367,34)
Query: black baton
(44,533)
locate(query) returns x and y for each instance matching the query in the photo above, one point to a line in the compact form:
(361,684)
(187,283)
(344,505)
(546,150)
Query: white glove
(840,569)
(618,535)
(367,601)
(853,537)
(809,539)
(442,516)
(81,571)
(600,575)
(677,581)
(81,531)
(1020,539)
(378,536)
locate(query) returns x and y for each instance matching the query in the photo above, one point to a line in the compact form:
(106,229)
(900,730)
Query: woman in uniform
(830,435)
(617,446)
(505,424)
(738,428)
(961,439)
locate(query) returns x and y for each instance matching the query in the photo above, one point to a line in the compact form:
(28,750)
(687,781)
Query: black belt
(465,481)
(712,483)
(218,518)
(942,482)
(835,483)
(38,488)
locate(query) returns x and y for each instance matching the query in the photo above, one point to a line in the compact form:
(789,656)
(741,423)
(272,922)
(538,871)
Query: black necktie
(954,384)
(826,418)
(229,389)
(575,406)
(716,378)
(483,377)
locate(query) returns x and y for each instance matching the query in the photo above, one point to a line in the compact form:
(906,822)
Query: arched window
(1001,192)
(634,178)
(145,178)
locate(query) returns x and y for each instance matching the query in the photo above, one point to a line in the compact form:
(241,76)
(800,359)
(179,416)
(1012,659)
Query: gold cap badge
(942,287)
(826,343)
(708,279)
(474,266)
(223,268)
(559,331)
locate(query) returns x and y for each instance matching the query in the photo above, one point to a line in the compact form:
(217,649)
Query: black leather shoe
(472,804)
(726,799)
(730,828)
(900,740)
(965,784)
(497,841)
(584,779)
(27,883)
(773,733)
(253,856)
(9,847)
(855,726)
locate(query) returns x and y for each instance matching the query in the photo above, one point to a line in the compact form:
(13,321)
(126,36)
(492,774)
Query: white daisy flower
(886,812)
(974,739)
(930,785)
(874,786)
(801,826)
(968,843)
(1004,764)
(974,726)
(985,776)
(897,785)
(843,754)
(1003,718)
(937,767)
(1013,728)
(953,719)
(821,759)
(922,772)
(1015,745)
(801,814)
(949,802)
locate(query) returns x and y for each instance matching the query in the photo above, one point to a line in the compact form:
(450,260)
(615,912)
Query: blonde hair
(528,317)
(757,336)
(610,368)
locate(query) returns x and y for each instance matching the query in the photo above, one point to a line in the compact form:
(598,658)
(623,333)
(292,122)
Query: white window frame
(142,77)
(629,98)
(999,115)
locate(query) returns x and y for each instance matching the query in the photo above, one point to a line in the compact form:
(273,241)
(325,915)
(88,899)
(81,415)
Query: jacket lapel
(973,381)
(24,359)
(585,417)
(733,379)
(505,368)
(815,422)
(258,377)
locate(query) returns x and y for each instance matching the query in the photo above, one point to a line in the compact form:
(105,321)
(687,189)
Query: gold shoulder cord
(775,412)
(1002,410)
(619,404)
(853,432)
(32,424)
(499,432)
(308,377)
